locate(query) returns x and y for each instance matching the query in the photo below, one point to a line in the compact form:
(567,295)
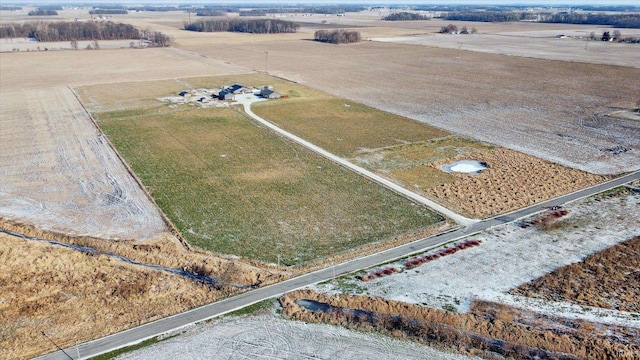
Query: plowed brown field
(609,279)
(512,181)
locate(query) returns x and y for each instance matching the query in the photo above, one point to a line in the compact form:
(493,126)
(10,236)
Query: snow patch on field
(271,337)
(59,173)
(510,255)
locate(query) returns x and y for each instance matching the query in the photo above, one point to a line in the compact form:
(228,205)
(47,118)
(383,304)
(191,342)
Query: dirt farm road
(247,100)
(176,322)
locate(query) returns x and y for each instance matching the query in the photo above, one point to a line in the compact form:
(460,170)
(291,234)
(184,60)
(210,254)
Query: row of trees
(403,16)
(74,30)
(255,26)
(337,36)
(485,16)
(453,29)
(108,12)
(617,20)
(42,12)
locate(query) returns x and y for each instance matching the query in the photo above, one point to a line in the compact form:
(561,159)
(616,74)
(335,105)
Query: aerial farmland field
(233,188)
(118,209)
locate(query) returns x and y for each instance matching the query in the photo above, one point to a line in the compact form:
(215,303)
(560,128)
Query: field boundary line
(171,227)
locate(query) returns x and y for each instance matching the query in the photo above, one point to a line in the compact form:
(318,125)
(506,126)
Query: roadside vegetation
(73,295)
(489,328)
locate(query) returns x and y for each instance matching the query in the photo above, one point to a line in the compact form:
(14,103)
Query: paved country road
(143,332)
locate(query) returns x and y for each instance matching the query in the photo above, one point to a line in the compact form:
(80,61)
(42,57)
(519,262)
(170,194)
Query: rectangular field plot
(232,187)
(344,127)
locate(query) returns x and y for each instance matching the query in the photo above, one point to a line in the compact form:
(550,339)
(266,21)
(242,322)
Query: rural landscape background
(319,181)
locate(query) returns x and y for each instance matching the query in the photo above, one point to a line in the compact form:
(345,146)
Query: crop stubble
(608,279)
(536,106)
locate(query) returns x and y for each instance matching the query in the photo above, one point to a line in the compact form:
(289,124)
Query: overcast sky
(389,2)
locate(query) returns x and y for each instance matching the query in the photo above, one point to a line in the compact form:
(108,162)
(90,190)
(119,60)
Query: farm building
(226,95)
(238,89)
(269,94)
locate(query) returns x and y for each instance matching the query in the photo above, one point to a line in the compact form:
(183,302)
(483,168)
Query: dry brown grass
(74,296)
(488,329)
(512,181)
(165,250)
(608,279)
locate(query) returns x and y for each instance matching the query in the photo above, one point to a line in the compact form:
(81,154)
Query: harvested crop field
(510,101)
(60,174)
(76,296)
(542,45)
(512,181)
(269,335)
(608,279)
(233,188)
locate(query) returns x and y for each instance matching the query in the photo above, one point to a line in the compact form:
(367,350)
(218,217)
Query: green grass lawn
(343,127)
(233,187)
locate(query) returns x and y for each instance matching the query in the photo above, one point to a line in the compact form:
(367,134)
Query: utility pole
(266,61)
(59,348)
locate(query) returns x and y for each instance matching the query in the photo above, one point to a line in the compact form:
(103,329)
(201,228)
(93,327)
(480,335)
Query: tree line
(42,12)
(75,30)
(484,16)
(254,26)
(108,12)
(402,16)
(337,36)
(616,20)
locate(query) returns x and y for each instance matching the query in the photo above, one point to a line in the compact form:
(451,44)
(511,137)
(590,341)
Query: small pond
(465,166)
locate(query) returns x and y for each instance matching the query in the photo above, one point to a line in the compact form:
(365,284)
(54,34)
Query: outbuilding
(226,95)
(269,94)
(238,89)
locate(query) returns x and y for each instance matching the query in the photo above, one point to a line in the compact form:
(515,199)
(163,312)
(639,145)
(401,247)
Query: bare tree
(74,44)
(617,35)
(96,45)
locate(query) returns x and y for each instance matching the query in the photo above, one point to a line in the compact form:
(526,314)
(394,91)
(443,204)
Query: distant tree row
(210,12)
(108,12)
(337,36)
(253,12)
(616,20)
(453,29)
(255,26)
(75,30)
(484,16)
(327,9)
(10,8)
(153,8)
(42,12)
(402,16)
